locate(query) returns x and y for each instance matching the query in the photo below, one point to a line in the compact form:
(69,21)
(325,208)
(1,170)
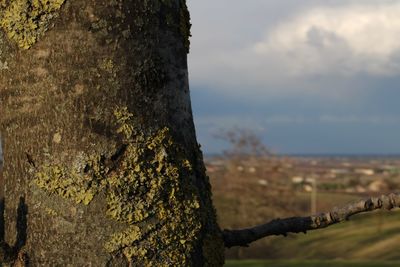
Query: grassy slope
(242,202)
(371,236)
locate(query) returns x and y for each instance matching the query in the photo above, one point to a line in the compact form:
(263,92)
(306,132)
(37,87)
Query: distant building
(308,188)
(367,172)
(263,182)
(297,179)
(378,186)
(252,169)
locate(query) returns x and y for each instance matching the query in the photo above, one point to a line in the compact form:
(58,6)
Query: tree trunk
(101,162)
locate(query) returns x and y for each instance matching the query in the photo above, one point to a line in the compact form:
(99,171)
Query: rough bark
(101,163)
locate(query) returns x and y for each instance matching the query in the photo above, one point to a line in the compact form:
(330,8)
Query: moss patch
(24,21)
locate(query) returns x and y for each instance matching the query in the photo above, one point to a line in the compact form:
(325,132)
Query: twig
(244,237)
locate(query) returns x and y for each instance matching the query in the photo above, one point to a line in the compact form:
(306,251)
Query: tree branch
(244,237)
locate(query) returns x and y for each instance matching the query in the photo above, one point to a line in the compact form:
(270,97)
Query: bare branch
(244,237)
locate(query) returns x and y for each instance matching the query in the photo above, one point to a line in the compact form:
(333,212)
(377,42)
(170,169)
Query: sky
(306,76)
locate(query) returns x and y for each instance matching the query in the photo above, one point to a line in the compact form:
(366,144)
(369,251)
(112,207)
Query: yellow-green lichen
(79,183)
(153,185)
(3,3)
(51,212)
(107,64)
(151,190)
(124,117)
(24,21)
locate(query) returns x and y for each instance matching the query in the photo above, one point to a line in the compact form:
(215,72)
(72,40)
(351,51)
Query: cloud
(337,40)
(312,76)
(318,47)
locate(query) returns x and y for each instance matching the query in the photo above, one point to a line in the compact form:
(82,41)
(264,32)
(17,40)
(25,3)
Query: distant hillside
(251,198)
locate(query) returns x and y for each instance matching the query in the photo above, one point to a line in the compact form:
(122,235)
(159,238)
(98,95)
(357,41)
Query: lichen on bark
(150,188)
(131,186)
(25,21)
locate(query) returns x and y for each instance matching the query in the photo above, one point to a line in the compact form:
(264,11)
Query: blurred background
(296,107)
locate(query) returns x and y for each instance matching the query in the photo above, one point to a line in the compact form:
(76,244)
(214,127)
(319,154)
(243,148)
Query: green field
(313,263)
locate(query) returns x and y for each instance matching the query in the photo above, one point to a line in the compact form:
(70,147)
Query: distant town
(333,174)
